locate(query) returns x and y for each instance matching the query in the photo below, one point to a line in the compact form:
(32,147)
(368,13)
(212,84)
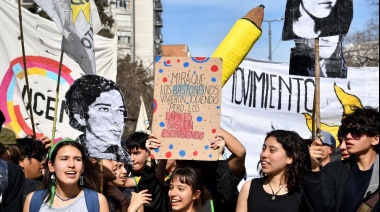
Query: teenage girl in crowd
(64,181)
(186,192)
(68,182)
(221,177)
(283,160)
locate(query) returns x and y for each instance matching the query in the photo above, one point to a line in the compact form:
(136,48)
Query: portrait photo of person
(317,18)
(95,106)
(302,57)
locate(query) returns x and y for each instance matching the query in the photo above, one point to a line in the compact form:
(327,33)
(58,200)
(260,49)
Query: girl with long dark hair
(283,161)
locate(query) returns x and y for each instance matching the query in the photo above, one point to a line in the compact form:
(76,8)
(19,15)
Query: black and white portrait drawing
(317,18)
(302,58)
(96,107)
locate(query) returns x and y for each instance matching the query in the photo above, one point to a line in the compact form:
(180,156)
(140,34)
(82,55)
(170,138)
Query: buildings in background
(180,50)
(138,25)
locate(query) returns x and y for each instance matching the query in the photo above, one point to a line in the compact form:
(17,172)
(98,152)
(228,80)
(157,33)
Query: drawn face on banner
(106,116)
(95,106)
(302,59)
(319,8)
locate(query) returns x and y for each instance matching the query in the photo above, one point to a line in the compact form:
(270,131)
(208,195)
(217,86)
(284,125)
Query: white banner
(261,97)
(43,49)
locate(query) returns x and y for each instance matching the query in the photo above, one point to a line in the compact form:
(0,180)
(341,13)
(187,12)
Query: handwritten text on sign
(187,99)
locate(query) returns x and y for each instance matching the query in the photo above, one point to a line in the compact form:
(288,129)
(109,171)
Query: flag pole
(29,105)
(57,98)
(316,128)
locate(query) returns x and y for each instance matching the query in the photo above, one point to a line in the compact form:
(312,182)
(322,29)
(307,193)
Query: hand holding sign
(219,145)
(316,154)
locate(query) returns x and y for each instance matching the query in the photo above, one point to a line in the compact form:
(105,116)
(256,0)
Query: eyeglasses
(355,132)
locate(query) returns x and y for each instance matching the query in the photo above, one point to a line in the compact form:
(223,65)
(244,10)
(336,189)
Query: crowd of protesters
(296,174)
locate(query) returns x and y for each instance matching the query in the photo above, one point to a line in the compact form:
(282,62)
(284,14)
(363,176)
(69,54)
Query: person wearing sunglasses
(30,160)
(352,184)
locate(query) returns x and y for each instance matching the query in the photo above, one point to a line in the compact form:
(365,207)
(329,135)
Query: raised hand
(152,143)
(138,199)
(219,144)
(316,154)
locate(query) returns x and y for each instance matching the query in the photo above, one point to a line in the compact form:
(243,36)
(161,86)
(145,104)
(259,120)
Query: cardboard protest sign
(187,99)
(313,19)
(302,57)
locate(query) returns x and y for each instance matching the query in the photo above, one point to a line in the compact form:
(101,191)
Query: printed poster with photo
(302,57)
(187,107)
(317,18)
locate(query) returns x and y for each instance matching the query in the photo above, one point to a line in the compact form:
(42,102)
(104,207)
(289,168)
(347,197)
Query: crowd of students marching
(296,174)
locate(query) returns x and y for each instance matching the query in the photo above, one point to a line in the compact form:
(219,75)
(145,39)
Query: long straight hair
(47,182)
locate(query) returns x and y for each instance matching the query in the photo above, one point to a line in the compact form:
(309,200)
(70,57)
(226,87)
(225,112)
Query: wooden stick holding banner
(29,105)
(57,98)
(317,95)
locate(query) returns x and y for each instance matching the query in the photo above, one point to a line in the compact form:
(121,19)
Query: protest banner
(187,104)
(78,21)
(43,49)
(313,19)
(302,57)
(261,97)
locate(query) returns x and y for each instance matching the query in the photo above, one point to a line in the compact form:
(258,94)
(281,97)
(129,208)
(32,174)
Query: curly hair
(366,118)
(31,148)
(83,92)
(296,148)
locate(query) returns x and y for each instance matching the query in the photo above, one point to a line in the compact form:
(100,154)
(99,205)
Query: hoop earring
(81,181)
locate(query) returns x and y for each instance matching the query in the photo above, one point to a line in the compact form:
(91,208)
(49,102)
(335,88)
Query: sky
(203,24)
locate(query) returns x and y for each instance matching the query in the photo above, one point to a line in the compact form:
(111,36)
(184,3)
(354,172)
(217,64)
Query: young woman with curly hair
(283,160)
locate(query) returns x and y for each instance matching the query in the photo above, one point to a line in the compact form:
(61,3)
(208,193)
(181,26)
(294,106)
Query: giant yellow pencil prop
(239,41)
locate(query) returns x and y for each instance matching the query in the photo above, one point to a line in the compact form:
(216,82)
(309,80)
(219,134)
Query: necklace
(274,194)
(65,199)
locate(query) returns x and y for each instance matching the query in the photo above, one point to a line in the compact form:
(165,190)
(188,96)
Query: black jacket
(11,196)
(149,181)
(224,189)
(325,189)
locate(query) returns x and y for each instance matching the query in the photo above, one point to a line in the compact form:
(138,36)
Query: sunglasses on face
(39,158)
(355,132)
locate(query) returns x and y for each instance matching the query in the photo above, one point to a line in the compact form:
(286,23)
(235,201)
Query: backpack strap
(369,204)
(3,181)
(92,200)
(36,201)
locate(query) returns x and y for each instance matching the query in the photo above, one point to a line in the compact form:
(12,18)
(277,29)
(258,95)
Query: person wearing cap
(351,184)
(328,142)
(7,136)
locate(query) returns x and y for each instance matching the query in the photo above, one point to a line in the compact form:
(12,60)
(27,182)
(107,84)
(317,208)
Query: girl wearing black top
(283,160)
